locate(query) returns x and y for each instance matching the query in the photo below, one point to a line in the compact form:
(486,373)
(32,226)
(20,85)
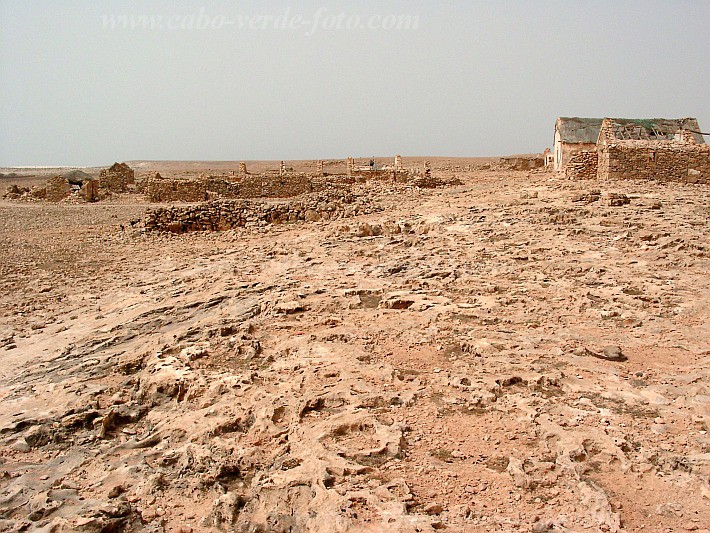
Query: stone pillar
(319,168)
(398,162)
(351,164)
(90,190)
(242,168)
(282,171)
(427,169)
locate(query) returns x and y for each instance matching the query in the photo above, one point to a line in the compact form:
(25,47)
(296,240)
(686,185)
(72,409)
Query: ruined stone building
(653,149)
(117,177)
(656,148)
(57,188)
(575,134)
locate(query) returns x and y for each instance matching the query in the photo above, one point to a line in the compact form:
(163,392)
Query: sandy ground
(511,354)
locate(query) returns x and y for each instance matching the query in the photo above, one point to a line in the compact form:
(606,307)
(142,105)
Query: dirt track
(448,374)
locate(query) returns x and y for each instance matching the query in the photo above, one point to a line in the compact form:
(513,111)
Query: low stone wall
(582,166)
(655,160)
(220,215)
(170,190)
(522,163)
(250,186)
(161,190)
(286,186)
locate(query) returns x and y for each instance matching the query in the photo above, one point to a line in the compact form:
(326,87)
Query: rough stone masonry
(329,204)
(117,177)
(657,160)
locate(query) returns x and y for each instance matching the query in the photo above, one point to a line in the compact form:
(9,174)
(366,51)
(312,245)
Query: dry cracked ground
(511,354)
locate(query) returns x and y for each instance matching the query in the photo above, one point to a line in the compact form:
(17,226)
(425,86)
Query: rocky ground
(519,353)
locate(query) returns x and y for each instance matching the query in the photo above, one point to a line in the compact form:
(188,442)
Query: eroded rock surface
(509,354)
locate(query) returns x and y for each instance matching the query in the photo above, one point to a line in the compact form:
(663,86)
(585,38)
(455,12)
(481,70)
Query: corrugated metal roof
(586,130)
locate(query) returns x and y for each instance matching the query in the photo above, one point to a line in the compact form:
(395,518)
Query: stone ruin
(643,150)
(280,183)
(73,184)
(90,190)
(277,184)
(78,185)
(57,189)
(523,162)
(117,177)
(395,172)
(15,192)
(329,204)
(641,157)
(250,186)
(226,204)
(582,165)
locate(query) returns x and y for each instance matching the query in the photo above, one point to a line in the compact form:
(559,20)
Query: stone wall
(522,163)
(658,160)
(57,189)
(170,190)
(568,150)
(162,190)
(286,186)
(117,177)
(219,215)
(379,175)
(582,166)
(157,189)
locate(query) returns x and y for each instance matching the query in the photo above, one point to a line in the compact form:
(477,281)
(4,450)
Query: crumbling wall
(157,189)
(229,214)
(522,163)
(658,160)
(14,192)
(582,166)
(270,185)
(117,177)
(380,175)
(57,189)
(568,150)
(285,186)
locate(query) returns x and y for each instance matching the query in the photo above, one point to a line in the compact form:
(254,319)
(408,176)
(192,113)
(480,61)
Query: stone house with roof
(656,148)
(575,134)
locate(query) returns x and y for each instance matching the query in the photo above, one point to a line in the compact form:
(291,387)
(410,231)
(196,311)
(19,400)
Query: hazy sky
(89,82)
